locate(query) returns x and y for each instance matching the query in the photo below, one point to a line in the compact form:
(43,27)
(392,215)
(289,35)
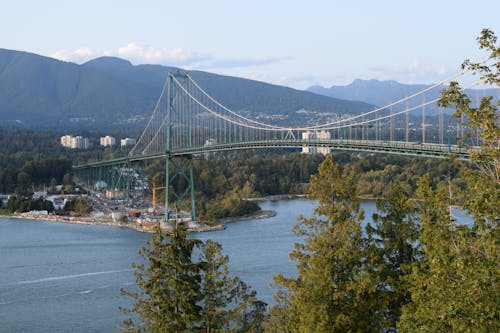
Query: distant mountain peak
(374,82)
(109,62)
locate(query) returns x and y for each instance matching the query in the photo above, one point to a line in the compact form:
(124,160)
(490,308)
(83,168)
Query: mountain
(110,92)
(40,90)
(381,93)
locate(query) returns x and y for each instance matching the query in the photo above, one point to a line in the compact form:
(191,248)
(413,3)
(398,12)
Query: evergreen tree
(180,294)
(393,248)
(169,284)
(283,317)
(248,314)
(332,292)
(455,288)
(217,288)
(228,304)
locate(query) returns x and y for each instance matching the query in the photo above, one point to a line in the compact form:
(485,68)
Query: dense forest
(31,159)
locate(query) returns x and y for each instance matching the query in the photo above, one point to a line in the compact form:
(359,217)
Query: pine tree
(455,288)
(169,284)
(182,292)
(393,248)
(248,313)
(228,304)
(218,288)
(332,292)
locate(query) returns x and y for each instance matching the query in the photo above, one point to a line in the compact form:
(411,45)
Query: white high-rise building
(66,141)
(127,142)
(75,142)
(79,142)
(108,141)
(316,136)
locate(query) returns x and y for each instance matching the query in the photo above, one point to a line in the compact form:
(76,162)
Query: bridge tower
(178,169)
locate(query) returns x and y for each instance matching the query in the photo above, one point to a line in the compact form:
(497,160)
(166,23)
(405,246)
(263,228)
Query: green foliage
(332,291)
(217,287)
(25,204)
(392,249)
(180,294)
(232,204)
(169,284)
(78,206)
(255,173)
(23,184)
(455,288)
(228,303)
(30,158)
(223,184)
(376,172)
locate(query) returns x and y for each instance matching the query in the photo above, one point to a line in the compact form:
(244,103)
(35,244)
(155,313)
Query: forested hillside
(110,92)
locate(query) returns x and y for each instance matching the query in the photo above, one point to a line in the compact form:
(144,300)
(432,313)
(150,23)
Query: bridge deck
(392,147)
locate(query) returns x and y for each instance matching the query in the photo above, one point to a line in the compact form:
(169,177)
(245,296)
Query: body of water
(57,277)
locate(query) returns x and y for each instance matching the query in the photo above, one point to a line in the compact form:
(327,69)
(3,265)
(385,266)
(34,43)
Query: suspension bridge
(187,122)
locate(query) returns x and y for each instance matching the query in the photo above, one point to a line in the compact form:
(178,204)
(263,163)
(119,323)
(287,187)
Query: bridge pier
(179,183)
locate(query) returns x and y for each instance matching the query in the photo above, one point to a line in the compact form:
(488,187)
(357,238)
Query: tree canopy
(185,286)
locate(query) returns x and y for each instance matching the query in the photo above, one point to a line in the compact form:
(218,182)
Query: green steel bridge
(188,122)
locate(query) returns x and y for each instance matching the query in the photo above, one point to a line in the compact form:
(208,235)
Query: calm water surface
(57,277)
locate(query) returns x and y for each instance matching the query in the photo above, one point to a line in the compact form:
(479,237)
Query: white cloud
(241,62)
(143,54)
(147,54)
(84,52)
(79,55)
(60,55)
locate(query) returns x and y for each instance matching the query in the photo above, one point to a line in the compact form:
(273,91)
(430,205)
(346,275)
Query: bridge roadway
(392,147)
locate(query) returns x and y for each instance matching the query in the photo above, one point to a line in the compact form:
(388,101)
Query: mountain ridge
(108,91)
(382,93)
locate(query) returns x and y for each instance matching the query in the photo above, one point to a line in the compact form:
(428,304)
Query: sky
(285,42)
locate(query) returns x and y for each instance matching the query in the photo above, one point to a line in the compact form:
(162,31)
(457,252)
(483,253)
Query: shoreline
(140,227)
(261,214)
(277,197)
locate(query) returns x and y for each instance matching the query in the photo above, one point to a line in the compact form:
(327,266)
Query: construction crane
(154,196)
